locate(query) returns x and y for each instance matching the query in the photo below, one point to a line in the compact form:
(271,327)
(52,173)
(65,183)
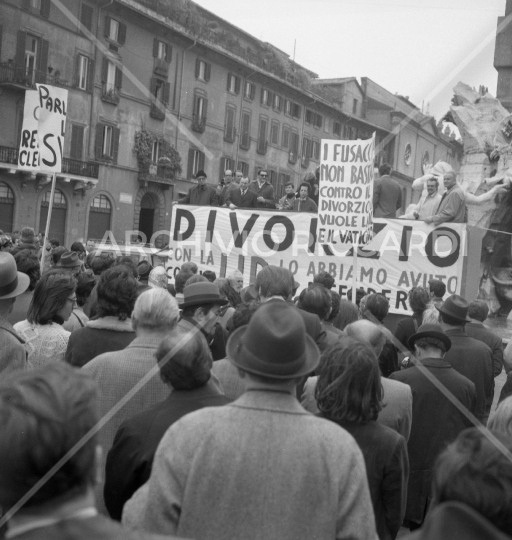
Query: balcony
(110,94)
(157,112)
(8,155)
(17,76)
(198,123)
(261,148)
(80,168)
(159,174)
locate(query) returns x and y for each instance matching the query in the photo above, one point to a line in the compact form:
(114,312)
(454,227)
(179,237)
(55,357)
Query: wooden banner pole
(48,219)
(354,273)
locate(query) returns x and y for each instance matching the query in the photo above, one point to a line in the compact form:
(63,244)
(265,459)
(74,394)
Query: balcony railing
(198,123)
(17,75)
(8,155)
(80,168)
(157,173)
(110,94)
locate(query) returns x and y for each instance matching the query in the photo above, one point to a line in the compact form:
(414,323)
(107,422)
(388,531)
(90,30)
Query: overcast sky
(418,48)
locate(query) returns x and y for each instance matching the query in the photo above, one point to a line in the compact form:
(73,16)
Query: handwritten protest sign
(28,157)
(52,126)
(346,192)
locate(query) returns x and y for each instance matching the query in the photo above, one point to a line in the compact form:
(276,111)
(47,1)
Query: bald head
(367,332)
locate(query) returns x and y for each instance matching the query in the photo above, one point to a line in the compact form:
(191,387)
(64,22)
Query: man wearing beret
(436,421)
(260,467)
(200,195)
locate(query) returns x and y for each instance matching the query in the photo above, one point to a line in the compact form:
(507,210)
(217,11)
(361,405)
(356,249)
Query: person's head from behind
(348,313)
(418,299)
(274,281)
(335,307)
(377,305)
(184,359)
(429,342)
(101,262)
(45,412)
(316,299)
(196,278)
(84,287)
(53,300)
(189,267)
(57,253)
(437,288)
(210,275)
(242,315)
(369,333)
(181,279)
(384,169)
(155,312)
(117,292)
(125,260)
(349,387)
(28,263)
(478,310)
(79,249)
(475,472)
(54,243)
(325,279)
(501,420)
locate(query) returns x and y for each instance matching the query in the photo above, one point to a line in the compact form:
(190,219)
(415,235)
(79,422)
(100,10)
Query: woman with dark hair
(419,299)
(52,303)
(112,329)
(348,313)
(85,285)
(349,392)
(79,249)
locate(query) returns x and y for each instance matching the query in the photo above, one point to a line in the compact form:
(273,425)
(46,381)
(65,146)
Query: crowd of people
(228,409)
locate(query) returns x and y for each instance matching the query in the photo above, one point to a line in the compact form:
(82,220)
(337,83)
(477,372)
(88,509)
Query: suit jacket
(477,330)
(247,200)
(266,191)
(13,355)
(387,197)
(452,207)
(130,459)
(201,196)
(473,359)
(97,527)
(226,191)
(397,413)
(261,467)
(117,373)
(20,308)
(228,377)
(308,205)
(436,422)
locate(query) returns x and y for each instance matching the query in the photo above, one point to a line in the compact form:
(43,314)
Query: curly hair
(419,299)
(85,285)
(117,292)
(349,387)
(50,295)
(28,263)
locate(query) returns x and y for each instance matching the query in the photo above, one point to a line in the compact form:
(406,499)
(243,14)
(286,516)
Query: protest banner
(28,156)
(346,195)
(52,126)
(401,255)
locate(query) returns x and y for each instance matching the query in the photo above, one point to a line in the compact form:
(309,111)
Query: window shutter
(152,86)
(25,4)
(253,91)
(237,85)
(77,75)
(90,77)
(190,163)
(194,105)
(77,142)
(45,8)
(86,16)
(221,168)
(115,144)
(155,47)
(207,72)
(104,70)
(121,35)
(201,161)
(197,67)
(205,110)
(229,80)
(270,98)
(168,53)
(0,41)
(119,77)
(166,93)
(262,94)
(107,26)
(98,143)
(43,60)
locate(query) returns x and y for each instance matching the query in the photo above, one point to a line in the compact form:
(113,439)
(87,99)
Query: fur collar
(111,323)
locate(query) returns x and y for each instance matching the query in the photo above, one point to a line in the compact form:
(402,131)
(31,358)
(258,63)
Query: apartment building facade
(149,81)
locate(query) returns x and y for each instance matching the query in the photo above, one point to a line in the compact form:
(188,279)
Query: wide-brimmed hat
(201,293)
(274,344)
(69,259)
(430,330)
(12,282)
(144,269)
(456,307)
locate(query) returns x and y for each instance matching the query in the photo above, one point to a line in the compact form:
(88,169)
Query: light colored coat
(397,413)
(259,468)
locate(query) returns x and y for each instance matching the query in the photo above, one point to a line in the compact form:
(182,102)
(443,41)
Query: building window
(306,151)
(229,128)
(35,4)
(287,107)
(77,142)
(99,217)
(195,162)
(199,113)
(84,65)
(245,138)
(336,129)
(161,50)
(262,136)
(354,106)
(58,221)
(425,161)
(244,167)
(155,151)
(316,150)
(203,70)
(274,133)
(294,147)
(115,30)
(249,90)
(277,102)
(6,208)
(326,125)
(233,84)
(226,164)
(31,52)
(107,142)
(285,143)
(112,77)
(313,118)
(408,154)
(266,97)
(296,109)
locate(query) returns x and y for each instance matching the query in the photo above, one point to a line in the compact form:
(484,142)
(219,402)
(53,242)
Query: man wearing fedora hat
(260,467)
(435,420)
(12,283)
(70,262)
(200,195)
(470,357)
